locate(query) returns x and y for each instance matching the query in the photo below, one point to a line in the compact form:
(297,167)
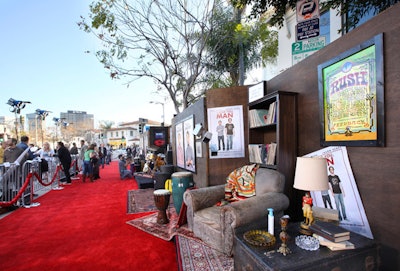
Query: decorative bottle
(271,221)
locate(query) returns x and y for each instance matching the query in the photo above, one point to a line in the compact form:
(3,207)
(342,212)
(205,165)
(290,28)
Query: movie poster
(346,198)
(180,155)
(188,139)
(226,126)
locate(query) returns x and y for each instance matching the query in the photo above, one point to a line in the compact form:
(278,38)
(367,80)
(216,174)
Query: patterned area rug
(164,231)
(193,255)
(142,200)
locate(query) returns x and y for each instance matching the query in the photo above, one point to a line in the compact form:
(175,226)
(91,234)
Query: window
(131,133)
(325,26)
(363,19)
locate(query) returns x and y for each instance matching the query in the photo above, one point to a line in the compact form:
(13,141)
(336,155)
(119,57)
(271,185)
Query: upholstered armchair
(215,225)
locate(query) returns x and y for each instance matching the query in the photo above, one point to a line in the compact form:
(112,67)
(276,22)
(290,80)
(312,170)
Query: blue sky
(44,62)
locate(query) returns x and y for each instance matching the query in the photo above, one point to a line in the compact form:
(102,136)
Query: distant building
(80,120)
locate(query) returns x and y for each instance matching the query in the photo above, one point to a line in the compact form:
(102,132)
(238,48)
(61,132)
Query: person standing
(65,160)
(189,153)
(84,148)
(2,149)
(230,132)
(102,155)
(24,144)
(338,192)
(220,133)
(74,149)
(12,152)
(88,167)
(45,154)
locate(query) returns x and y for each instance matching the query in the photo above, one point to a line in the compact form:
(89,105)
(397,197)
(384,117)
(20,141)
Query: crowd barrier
(20,183)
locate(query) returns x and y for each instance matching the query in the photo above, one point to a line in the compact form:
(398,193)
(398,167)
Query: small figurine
(307,209)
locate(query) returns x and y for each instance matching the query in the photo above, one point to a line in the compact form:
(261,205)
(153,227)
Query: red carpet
(82,227)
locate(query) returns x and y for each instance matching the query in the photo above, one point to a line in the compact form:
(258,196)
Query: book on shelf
(271,153)
(258,117)
(262,117)
(329,228)
(334,245)
(255,153)
(272,113)
(262,153)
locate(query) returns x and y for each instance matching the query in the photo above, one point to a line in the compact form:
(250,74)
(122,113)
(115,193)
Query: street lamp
(16,107)
(163,109)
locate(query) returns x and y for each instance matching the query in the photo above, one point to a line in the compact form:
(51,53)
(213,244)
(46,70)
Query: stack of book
(331,235)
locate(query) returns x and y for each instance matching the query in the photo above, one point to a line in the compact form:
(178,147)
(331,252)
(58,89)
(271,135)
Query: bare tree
(160,40)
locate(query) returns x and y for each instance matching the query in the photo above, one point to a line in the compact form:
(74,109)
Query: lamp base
(305,229)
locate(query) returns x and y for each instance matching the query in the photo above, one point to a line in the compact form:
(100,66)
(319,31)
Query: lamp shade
(311,174)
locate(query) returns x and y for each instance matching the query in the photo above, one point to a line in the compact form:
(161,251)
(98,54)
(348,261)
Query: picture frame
(199,149)
(351,96)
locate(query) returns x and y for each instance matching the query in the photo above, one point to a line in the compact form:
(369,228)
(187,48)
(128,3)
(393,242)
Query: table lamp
(311,175)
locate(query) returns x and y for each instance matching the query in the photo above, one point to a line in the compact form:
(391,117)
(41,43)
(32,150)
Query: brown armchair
(215,225)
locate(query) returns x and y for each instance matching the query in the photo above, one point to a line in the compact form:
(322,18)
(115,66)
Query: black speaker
(169,158)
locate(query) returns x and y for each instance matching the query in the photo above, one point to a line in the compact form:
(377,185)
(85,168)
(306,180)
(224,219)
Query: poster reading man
(226,123)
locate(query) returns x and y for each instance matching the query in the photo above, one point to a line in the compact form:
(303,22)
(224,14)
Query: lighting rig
(16,107)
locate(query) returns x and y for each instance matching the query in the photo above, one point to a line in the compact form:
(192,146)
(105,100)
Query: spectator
(74,149)
(24,144)
(84,148)
(45,154)
(2,149)
(123,172)
(87,163)
(65,160)
(12,152)
(102,155)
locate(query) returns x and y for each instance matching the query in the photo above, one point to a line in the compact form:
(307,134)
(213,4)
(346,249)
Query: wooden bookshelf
(282,131)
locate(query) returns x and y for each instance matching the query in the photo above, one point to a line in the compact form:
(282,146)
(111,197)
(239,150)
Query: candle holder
(284,236)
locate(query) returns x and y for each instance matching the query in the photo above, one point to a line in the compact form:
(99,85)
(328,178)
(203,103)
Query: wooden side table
(252,258)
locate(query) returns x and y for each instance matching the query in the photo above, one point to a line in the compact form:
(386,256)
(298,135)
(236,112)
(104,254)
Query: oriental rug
(195,256)
(167,231)
(142,201)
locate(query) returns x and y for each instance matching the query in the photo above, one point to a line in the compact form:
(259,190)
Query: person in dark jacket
(65,159)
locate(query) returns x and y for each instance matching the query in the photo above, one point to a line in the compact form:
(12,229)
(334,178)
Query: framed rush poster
(351,96)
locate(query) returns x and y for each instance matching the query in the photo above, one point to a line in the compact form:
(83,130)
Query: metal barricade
(13,176)
(10,174)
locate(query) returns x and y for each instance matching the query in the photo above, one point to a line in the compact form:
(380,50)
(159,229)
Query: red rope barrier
(19,194)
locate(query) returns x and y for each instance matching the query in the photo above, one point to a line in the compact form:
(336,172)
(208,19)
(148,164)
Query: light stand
(16,107)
